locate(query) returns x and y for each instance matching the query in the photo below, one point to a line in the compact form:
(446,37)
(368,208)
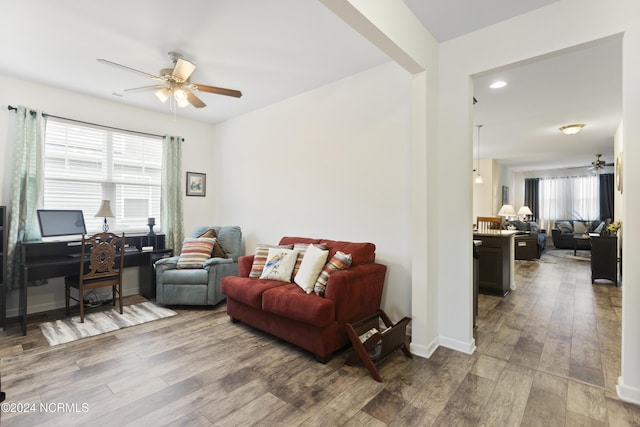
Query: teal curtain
(171,195)
(27,185)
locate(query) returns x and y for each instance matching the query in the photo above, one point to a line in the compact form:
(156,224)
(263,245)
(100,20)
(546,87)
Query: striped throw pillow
(340,261)
(195,252)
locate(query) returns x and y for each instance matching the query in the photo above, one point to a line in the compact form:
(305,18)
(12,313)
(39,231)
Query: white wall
(330,163)
(197,154)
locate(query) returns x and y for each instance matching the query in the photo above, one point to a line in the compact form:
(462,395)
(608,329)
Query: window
(85,164)
(576,197)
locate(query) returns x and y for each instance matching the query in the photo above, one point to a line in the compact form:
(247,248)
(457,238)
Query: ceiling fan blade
(183,69)
(124,67)
(144,88)
(194,100)
(217,90)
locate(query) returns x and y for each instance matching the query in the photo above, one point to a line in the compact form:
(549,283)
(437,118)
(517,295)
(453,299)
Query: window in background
(85,164)
(576,197)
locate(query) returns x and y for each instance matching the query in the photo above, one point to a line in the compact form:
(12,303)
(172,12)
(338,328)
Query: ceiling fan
(175,84)
(599,164)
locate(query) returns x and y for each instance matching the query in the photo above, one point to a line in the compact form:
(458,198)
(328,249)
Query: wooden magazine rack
(373,340)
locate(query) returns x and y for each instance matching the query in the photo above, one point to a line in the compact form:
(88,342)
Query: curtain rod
(10,107)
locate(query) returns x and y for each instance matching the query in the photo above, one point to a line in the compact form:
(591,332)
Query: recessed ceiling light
(498,84)
(572,129)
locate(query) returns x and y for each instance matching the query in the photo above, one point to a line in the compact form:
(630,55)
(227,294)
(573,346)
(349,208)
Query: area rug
(100,322)
(581,255)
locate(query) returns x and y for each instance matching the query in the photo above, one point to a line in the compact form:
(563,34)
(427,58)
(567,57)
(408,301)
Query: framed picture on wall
(196,184)
(505,195)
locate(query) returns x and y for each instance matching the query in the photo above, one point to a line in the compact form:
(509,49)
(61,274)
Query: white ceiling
(272,50)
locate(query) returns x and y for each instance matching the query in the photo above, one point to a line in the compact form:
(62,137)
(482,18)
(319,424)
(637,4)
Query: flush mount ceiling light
(498,84)
(572,129)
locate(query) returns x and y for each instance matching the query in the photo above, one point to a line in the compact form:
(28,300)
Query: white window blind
(85,164)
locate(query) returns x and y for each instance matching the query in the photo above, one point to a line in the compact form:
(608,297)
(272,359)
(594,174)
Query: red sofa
(312,322)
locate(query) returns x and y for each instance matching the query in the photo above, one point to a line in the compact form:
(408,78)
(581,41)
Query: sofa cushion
(302,249)
(279,264)
(340,261)
(362,253)
(564,226)
(218,250)
(581,227)
(248,290)
(260,258)
(291,302)
(195,252)
(312,263)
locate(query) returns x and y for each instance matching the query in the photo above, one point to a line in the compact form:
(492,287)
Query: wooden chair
(487,223)
(103,256)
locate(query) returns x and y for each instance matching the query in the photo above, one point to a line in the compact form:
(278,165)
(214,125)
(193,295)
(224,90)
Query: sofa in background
(315,323)
(532,229)
(199,284)
(563,233)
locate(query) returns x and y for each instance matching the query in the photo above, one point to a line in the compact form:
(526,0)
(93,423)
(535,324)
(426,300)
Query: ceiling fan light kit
(572,129)
(174,83)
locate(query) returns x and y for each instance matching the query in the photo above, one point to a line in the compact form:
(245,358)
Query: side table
(604,258)
(373,340)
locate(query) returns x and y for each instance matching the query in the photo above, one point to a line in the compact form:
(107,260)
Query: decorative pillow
(279,264)
(260,258)
(580,227)
(564,226)
(218,250)
(302,249)
(533,227)
(340,261)
(195,251)
(599,228)
(312,262)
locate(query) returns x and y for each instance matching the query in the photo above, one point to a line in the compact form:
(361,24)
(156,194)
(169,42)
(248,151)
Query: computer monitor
(59,222)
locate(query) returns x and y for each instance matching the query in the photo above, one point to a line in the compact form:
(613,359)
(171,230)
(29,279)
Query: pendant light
(478,178)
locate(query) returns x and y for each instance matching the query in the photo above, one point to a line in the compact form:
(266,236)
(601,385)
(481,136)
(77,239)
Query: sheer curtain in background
(575,197)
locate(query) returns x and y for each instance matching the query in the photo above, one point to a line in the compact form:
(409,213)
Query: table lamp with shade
(524,212)
(507,211)
(105,211)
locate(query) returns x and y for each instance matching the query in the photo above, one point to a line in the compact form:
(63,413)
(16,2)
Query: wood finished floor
(547,354)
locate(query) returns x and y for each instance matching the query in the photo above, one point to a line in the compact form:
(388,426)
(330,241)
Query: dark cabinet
(604,258)
(526,247)
(494,254)
(148,272)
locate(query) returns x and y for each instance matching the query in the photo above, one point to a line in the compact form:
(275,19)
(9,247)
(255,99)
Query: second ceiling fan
(174,83)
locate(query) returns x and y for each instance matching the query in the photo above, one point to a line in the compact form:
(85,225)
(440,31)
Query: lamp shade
(105,210)
(507,210)
(525,211)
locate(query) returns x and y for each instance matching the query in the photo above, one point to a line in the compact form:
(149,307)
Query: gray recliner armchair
(199,286)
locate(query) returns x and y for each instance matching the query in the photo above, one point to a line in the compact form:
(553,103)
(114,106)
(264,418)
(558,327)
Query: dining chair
(101,265)
(488,223)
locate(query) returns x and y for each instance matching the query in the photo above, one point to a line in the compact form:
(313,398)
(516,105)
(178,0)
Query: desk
(45,260)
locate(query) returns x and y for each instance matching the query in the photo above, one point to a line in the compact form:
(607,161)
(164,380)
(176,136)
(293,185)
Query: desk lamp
(105,211)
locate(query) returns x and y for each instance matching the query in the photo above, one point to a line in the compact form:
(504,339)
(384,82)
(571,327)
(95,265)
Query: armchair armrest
(357,291)
(215,261)
(164,264)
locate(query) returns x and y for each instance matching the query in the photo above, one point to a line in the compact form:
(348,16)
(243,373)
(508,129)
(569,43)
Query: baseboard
(627,393)
(424,350)
(464,347)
